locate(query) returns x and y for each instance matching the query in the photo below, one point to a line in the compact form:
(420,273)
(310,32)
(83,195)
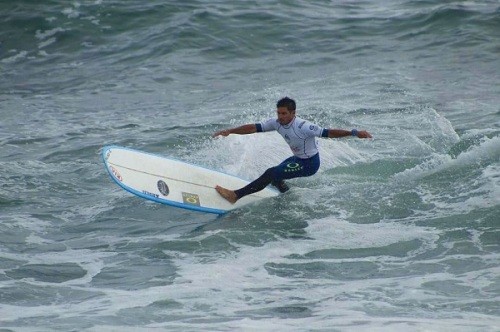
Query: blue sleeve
(324,133)
(259,127)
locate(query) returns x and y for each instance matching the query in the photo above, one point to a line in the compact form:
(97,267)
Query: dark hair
(286,102)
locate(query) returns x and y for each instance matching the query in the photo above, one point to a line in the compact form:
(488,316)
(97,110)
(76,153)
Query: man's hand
(364,134)
(224,133)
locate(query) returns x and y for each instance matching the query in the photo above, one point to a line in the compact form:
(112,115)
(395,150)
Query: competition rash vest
(300,135)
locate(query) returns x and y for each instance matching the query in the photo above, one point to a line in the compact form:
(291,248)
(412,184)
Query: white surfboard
(174,182)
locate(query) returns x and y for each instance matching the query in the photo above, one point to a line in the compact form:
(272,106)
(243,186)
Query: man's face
(284,115)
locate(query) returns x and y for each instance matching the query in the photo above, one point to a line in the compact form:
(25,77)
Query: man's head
(285,110)
(286,102)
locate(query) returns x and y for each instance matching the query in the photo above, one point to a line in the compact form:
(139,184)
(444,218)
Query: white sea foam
(244,271)
(487,150)
(488,192)
(42,35)
(16,57)
(72,12)
(47,37)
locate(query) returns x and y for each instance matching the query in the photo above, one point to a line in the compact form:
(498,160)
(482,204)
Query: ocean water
(397,233)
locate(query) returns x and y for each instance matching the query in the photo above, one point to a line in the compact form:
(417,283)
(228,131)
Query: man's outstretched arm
(337,133)
(241,130)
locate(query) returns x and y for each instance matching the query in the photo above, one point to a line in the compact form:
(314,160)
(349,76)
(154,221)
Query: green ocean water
(401,232)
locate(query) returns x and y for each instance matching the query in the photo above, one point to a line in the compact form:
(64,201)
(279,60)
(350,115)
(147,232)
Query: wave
(60,27)
(486,153)
(68,46)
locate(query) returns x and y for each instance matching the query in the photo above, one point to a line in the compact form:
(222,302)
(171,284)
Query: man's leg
(258,184)
(290,168)
(281,186)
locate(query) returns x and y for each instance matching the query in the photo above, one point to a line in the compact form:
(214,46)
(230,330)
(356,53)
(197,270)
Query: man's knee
(270,173)
(281,186)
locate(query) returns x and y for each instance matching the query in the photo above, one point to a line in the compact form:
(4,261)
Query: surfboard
(174,182)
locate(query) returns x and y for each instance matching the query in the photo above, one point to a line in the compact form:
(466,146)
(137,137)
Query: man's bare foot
(229,195)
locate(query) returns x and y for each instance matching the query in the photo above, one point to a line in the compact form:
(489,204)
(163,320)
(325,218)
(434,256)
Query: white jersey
(300,135)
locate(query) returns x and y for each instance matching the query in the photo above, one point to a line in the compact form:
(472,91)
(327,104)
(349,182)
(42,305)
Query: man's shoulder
(303,123)
(299,122)
(307,126)
(269,124)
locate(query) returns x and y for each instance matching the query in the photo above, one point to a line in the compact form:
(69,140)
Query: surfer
(300,136)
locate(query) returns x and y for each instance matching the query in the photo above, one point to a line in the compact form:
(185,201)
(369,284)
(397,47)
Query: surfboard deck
(174,182)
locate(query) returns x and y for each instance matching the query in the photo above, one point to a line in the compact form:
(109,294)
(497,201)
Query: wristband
(354,132)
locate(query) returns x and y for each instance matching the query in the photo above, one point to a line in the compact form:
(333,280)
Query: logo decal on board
(163,188)
(191,199)
(150,194)
(116,173)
